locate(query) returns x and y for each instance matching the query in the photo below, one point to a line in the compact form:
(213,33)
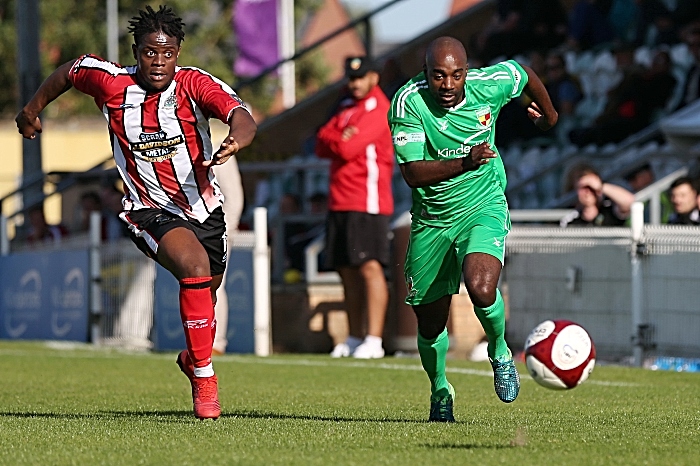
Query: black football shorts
(353,238)
(148,226)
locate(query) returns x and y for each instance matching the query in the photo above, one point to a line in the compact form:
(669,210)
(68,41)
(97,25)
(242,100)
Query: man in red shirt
(158,116)
(358,142)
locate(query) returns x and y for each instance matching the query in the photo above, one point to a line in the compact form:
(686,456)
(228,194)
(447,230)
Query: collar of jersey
(459,105)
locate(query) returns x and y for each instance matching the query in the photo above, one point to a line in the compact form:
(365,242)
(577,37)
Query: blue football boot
(506,380)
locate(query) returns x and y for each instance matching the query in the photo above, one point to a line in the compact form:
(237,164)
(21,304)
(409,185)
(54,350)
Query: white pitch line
(363,365)
(116,353)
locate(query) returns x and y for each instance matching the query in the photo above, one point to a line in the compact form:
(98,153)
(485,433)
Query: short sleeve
(94,76)
(214,95)
(407,131)
(511,79)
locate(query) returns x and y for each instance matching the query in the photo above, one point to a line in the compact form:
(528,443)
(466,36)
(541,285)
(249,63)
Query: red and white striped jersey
(160,139)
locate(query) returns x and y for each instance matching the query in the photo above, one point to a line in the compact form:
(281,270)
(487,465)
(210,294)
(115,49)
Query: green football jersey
(423,130)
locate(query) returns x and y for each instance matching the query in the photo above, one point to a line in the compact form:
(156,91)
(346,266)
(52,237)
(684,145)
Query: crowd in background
(105,200)
(611,67)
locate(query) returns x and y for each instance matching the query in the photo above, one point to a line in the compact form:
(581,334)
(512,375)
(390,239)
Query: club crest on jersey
(156,147)
(170,102)
(483,114)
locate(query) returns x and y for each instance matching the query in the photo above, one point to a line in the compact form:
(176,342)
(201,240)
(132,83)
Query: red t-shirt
(362,166)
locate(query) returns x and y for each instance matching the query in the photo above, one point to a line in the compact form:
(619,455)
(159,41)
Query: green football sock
(432,357)
(493,319)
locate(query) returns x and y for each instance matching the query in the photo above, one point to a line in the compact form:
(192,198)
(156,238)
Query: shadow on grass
(467,446)
(103,415)
(311,417)
(178,416)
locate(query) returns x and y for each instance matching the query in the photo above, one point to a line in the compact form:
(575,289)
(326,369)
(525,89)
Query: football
(559,354)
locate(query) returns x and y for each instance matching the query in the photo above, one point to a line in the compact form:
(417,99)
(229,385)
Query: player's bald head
(446,70)
(445,48)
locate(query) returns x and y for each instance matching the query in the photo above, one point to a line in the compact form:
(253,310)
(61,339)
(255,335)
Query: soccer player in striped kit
(442,123)
(158,117)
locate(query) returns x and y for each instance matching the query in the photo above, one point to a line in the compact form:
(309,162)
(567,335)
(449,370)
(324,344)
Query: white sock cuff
(206,371)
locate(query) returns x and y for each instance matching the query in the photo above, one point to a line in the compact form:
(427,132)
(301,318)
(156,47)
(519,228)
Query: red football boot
(205,394)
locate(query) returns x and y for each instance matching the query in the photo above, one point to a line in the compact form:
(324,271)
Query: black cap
(356,67)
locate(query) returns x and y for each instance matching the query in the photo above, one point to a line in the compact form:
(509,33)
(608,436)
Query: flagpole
(113,30)
(286,39)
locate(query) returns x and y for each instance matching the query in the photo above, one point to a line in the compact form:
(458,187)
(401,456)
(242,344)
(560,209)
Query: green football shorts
(435,255)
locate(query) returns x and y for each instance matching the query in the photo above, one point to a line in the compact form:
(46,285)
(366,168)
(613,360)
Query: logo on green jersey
(461,151)
(483,114)
(402,138)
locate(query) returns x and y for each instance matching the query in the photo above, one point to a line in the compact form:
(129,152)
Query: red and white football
(559,354)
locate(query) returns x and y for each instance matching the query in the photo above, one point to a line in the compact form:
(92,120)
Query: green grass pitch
(89,406)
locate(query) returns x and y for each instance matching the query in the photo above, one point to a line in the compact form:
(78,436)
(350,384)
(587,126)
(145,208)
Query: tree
(70,28)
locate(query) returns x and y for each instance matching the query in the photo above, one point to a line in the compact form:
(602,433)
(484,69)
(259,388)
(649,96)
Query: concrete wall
(600,299)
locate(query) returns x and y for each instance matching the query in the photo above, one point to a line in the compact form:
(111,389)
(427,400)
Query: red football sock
(197,313)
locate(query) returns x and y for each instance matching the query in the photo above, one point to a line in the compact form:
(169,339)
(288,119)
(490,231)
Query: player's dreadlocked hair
(151,21)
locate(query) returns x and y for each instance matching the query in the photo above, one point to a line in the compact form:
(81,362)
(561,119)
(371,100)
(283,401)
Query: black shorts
(148,226)
(353,238)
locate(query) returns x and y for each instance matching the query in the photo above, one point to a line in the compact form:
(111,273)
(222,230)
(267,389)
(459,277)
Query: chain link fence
(587,274)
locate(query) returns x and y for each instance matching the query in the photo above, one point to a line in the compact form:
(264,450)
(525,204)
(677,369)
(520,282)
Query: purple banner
(255,26)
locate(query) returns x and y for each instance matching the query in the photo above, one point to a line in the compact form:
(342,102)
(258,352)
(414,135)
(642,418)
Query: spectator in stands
(659,84)
(598,203)
(112,227)
(513,124)
(565,91)
(641,22)
(639,179)
(684,198)
(42,232)
(520,26)
(89,202)
(358,142)
(691,85)
(589,26)
(563,88)
(634,103)
(654,24)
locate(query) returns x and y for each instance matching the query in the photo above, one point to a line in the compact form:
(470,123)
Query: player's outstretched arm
(421,173)
(28,123)
(541,111)
(242,129)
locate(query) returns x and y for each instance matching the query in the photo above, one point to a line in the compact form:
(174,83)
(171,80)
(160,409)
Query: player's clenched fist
(28,125)
(479,155)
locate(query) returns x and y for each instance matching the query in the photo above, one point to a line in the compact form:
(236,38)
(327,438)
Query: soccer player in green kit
(442,122)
